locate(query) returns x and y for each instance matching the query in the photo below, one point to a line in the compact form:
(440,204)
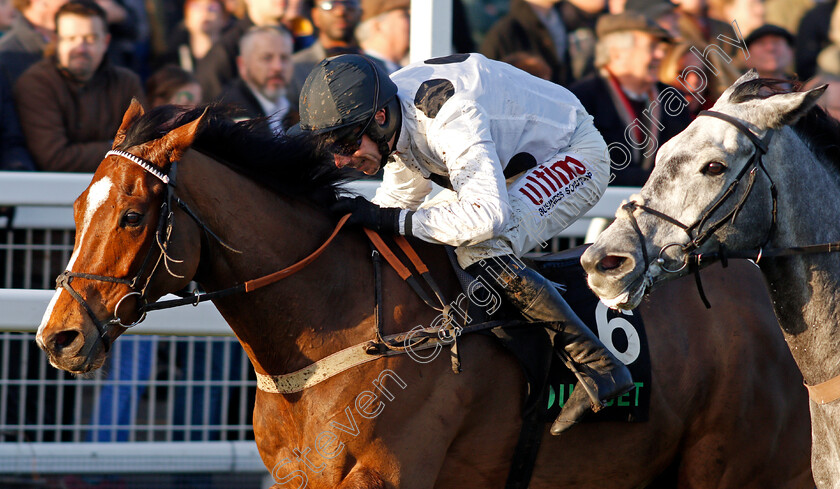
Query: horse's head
(125,252)
(710,188)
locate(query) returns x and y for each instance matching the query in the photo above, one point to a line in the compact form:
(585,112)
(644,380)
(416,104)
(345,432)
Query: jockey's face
(366,159)
(365,155)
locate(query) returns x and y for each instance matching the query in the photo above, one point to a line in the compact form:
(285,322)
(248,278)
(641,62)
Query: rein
(697,237)
(822,393)
(164,230)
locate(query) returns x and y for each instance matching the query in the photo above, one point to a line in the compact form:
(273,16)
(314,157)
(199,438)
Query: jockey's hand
(365,213)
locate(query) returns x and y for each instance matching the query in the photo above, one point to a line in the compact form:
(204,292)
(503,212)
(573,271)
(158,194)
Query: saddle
(549,382)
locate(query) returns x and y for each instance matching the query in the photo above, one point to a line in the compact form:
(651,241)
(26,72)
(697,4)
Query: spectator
(787,13)
(532,26)
(629,52)
(336,21)
(771,51)
(173,85)
(683,69)
(265,69)
(699,30)
(130,370)
(20,48)
(383,33)
(814,35)
(71,104)
(126,26)
(580,17)
(299,24)
(24,45)
(218,67)
(748,13)
(7,15)
(236,8)
(663,12)
(204,21)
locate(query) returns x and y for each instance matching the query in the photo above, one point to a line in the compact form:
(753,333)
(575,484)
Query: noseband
(164,230)
(162,235)
(696,233)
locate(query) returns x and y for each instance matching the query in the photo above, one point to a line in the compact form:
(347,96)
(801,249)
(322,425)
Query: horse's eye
(132,219)
(714,168)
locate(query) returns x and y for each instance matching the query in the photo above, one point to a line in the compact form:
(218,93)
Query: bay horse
(244,206)
(783,152)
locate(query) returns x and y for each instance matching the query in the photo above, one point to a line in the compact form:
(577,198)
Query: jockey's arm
(462,140)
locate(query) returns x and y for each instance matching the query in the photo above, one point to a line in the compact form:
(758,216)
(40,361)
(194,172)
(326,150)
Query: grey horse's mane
(818,129)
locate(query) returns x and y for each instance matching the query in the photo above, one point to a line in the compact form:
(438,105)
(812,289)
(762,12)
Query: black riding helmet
(340,98)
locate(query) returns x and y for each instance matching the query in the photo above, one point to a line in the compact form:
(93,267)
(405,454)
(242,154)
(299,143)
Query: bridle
(696,232)
(162,237)
(822,393)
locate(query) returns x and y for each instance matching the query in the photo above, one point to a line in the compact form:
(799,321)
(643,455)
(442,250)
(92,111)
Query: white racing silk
(467,120)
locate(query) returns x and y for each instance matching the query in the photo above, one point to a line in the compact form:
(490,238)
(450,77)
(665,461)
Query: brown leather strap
(252,285)
(411,254)
(825,392)
(405,273)
(389,255)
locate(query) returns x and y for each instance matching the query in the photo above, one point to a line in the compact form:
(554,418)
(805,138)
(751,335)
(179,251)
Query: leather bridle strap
(254,284)
(257,283)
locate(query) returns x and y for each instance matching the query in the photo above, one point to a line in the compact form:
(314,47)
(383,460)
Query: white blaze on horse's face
(97,195)
(693,172)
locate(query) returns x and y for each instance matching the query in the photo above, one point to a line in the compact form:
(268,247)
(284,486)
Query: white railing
(53,423)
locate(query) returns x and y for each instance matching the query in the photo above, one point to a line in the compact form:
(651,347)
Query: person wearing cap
(663,12)
(624,96)
(383,33)
(521,159)
(771,51)
(336,21)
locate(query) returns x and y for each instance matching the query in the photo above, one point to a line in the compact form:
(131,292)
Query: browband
(139,161)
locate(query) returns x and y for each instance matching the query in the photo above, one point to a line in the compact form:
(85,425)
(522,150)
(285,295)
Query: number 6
(605,332)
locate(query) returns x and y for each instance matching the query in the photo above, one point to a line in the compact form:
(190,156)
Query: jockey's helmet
(339,99)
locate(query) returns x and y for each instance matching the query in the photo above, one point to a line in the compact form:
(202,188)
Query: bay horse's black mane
(818,129)
(291,166)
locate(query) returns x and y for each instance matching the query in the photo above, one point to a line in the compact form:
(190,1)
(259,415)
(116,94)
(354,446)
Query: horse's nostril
(64,339)
(610,262)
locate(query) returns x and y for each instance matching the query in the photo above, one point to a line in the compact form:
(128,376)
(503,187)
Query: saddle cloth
(549,382)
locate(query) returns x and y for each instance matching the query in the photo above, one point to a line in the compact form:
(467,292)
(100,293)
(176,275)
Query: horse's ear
(785,109)
(135,110)
(178,140)
(752,74)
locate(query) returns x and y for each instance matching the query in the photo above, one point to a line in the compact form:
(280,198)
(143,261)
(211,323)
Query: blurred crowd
(68,70)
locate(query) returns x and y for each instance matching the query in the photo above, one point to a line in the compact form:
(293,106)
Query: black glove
(365,213)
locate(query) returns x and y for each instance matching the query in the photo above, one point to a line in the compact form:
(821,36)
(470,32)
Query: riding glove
(366,213)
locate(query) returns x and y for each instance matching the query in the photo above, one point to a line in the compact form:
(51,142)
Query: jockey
(522,160)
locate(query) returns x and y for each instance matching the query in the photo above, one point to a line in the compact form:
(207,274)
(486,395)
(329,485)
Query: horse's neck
(283,325)
(805,288)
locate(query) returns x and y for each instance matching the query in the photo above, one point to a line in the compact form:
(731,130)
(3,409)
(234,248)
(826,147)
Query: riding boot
(601,376)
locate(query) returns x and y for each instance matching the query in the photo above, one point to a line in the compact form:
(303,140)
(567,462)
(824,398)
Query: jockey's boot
(601,376)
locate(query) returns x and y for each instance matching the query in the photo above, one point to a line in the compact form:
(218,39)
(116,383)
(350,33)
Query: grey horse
(784,154)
